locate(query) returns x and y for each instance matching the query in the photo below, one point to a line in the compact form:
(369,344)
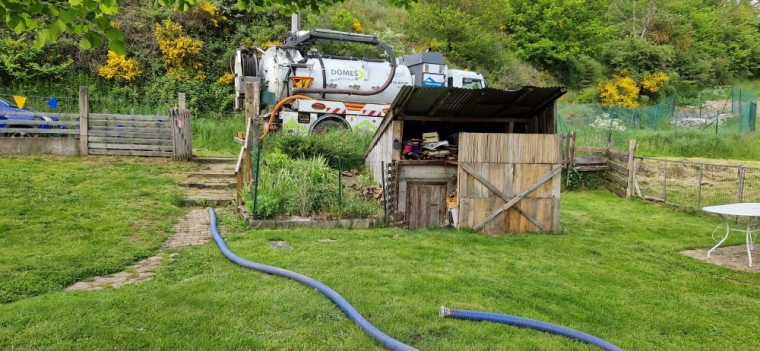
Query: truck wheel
(328,124)
(23,135)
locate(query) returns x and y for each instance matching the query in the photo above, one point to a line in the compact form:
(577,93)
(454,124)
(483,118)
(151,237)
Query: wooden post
(699,188)
(665,181)
(188,135)
(252,95)
(740,190)
(571,151)
(181,101)
(180,139)
(636,180)
(568,161)
(84,117)
(631,166)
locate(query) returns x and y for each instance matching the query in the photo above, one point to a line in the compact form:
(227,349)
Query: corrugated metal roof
(468,103)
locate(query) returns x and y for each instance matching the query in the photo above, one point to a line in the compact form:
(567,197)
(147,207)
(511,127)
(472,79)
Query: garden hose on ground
(383,338)
(527,323)
(349,310)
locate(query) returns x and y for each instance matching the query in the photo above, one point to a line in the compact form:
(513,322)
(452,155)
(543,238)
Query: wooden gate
(426,204)
(114,134)
(509,182)
(137,135)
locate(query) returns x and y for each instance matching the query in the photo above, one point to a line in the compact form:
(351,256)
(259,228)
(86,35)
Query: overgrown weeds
(304,187)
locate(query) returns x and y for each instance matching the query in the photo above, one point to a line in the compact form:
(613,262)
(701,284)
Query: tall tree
(467,32)
(549,32)
(92,19)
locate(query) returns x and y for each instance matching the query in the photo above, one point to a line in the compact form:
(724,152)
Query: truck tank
(279,64)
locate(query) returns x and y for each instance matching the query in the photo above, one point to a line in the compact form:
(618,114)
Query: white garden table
(750,210)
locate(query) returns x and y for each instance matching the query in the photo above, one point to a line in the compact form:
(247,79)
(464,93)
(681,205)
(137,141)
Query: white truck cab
(429,70)
(465,79)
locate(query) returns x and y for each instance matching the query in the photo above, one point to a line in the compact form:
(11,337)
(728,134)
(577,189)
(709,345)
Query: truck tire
(23,135)
(329,122)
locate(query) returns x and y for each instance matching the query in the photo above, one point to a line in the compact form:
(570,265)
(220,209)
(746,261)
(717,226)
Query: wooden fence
(244,171)
(619,167)
(114,134)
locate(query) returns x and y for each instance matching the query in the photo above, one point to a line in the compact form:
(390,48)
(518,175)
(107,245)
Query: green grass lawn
(615,272)
(64,219)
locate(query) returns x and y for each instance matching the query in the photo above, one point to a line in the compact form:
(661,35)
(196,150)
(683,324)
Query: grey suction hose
(349,310)
(528,323)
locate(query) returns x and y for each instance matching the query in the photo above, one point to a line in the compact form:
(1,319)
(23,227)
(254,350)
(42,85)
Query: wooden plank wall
(382,152)
(511,163)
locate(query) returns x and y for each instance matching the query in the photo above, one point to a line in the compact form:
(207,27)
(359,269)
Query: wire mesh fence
(695,185)
(723,111)
(97,104)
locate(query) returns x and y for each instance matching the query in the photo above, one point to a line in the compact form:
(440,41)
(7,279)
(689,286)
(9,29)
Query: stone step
(210,184)
(211,174)
(207,160)
(215,197)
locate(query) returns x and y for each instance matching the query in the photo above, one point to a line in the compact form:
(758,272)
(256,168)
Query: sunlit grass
(614,272)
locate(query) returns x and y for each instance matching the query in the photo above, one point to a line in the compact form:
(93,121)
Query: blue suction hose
(527,323)
(383,338)
(349,310)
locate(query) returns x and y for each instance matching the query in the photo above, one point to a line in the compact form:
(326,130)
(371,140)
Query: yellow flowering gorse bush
(179,51)
(120,66)
(357,27)
(225,79)
(654,82)
(211,9)
(621,90)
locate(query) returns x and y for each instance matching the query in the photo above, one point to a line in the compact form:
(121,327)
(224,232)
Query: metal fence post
(740,190)
(717,120)
(340,185)
(699,187)
(256,178)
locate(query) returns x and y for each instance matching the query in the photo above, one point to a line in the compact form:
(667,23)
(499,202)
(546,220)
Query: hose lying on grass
(383,338)
(527,323)
(349,310)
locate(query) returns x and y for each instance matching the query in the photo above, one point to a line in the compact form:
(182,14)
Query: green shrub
(342,148)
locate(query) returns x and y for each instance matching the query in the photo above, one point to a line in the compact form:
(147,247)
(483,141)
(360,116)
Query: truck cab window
(470,83)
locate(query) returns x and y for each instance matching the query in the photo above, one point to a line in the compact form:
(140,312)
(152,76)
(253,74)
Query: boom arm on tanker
(319,92)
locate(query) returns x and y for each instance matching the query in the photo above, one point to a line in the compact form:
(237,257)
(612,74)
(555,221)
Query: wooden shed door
(426,204)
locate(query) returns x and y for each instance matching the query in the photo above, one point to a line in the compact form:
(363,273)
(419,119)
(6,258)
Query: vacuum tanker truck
(307,91)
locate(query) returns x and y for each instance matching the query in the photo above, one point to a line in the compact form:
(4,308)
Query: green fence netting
(720,111)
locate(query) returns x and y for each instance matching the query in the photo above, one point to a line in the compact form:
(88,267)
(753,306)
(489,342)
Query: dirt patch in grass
(733,257)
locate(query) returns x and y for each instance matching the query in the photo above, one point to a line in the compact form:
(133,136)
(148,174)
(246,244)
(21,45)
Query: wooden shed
(502,170)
